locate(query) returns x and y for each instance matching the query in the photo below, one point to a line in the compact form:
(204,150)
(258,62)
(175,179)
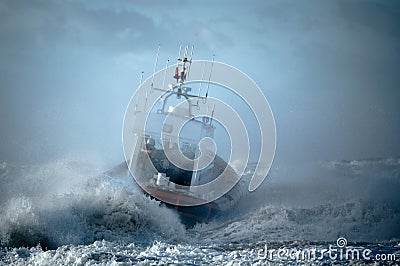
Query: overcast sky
(329,69)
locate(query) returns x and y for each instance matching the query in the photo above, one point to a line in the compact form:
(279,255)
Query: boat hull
(198,212)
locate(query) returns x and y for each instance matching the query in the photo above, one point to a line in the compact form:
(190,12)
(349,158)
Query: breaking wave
(57,205)
(64,212)
(356,199)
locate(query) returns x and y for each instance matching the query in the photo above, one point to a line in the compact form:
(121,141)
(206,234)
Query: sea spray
(96,208)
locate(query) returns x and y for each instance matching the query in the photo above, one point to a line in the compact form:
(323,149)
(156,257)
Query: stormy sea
(66,213)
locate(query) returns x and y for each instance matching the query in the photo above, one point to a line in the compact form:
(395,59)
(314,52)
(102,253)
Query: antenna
(179,54)
(186,51)
(191,54)
(201,83)
(209,78)
(155,66)
(141,78)
(140,83)
(165,74)
(190,62)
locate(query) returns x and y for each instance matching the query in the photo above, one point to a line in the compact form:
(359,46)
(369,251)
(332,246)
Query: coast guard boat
(163,158)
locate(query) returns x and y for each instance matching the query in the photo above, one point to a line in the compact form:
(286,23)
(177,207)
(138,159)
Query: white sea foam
(85,218)
(80,212)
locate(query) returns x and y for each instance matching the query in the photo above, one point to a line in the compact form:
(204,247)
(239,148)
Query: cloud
(322,65)
(70,23)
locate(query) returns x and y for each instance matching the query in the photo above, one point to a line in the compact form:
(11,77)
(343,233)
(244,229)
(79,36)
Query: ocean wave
(358,221)
(95,208)
(378,167)
(64,203)
(63,213)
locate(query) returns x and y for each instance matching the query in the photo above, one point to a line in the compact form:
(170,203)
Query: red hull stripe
(179,198)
